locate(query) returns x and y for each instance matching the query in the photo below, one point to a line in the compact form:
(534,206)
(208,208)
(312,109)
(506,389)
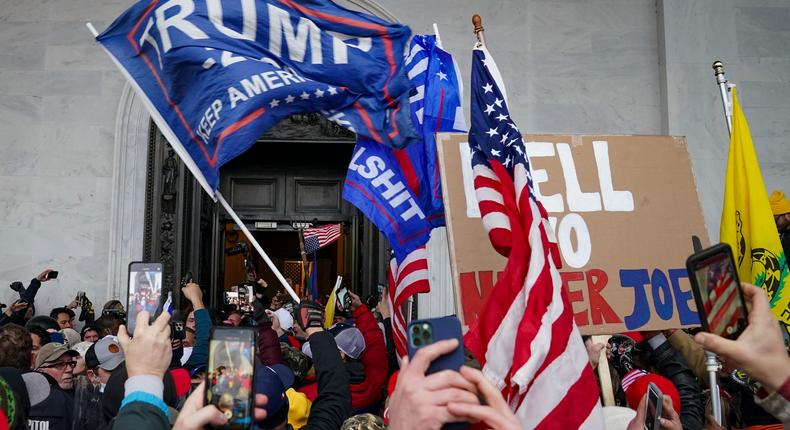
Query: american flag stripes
(525,337)
(319,237)
(406,280)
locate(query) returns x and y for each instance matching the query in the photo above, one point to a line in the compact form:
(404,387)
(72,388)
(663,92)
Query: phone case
(131,313)
(659,410)
(693,263)
(249,334)
(448,327)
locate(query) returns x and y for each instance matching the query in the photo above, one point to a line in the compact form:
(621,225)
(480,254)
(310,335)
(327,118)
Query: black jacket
(56,412)
(28,295)
(333,404)
(670,365)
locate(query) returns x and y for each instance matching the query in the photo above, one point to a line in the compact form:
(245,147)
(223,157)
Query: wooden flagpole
(604,374)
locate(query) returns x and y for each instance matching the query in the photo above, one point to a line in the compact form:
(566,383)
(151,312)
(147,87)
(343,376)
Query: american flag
(406,280)
(436,106)
(319,237)
(525,337)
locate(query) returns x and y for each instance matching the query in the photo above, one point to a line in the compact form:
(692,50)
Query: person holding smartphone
(759,351)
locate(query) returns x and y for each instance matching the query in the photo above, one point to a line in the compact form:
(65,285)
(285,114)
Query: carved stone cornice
(308,127)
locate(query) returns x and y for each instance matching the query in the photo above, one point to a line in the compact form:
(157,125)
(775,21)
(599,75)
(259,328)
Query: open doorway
(282,244)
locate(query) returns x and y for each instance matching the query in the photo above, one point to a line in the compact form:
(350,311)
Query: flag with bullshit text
(216,75)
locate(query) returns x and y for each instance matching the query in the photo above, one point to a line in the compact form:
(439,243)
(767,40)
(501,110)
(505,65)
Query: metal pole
(712,366)
(721,81)
(436,33)
(711,363)
(479,30)
(256,245)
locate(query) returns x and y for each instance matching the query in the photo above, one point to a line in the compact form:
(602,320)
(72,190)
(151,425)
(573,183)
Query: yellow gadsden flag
(747,223)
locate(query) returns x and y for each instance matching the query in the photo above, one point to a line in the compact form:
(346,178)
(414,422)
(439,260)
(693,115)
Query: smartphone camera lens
(416,330)
(417,341)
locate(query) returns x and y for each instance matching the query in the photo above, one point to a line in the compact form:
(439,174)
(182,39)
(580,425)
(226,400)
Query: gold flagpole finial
(478,23)
(718,68)
(479,31)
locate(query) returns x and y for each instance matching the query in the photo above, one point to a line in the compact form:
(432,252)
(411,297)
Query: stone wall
(58,100)
(571,66)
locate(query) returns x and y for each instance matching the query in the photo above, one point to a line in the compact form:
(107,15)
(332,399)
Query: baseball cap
(364,422)
(273,381)
(37,387)
(82,348)
(71,337)
(635,385)
(51,352)
(779,203)
(87,328)
(285,318)
(105,353)
(349,340)
(298,408)
(181,380)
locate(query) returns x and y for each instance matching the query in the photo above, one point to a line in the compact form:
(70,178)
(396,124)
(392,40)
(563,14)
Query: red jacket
(374,359)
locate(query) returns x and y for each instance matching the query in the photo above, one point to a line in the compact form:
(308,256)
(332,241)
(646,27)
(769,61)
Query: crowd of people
(60,374)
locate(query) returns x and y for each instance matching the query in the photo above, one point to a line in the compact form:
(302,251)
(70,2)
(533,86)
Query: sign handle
(604,373)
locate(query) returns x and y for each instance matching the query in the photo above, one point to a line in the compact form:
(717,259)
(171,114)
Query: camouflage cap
(364,422)
(296,360)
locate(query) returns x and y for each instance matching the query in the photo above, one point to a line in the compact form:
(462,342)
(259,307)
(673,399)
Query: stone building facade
(74,139)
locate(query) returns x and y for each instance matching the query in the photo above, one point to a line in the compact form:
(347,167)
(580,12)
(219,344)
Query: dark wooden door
(293,175)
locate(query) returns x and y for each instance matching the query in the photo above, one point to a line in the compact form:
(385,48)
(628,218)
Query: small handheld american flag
(525,337)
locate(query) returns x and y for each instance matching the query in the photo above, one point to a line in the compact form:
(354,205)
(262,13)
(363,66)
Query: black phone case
(252,338)
(693,262)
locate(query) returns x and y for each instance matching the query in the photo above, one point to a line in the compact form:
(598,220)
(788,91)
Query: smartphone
(343,299)
(655,405)
(230,375)
(145,291)
(177,330)
(422,333)
(717,291)
(53,274)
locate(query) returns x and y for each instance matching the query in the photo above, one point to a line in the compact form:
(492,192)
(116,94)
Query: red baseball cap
(181,380)
(637,388)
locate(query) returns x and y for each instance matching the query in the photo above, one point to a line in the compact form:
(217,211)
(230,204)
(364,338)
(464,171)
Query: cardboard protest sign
(623,209)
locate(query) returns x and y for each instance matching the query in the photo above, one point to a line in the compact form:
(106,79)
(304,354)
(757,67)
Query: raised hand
(150,352)
(760,349)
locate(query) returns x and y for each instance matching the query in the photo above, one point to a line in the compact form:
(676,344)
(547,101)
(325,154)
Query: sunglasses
(61,365)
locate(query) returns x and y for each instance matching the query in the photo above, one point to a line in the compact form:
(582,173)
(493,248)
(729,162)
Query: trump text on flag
(613,205)
(216,75)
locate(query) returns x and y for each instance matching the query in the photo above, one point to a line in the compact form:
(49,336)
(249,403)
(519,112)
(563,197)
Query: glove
(309,315)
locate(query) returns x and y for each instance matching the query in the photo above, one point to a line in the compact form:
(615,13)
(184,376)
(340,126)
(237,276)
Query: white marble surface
(750,37)
(58,100)
(571,66)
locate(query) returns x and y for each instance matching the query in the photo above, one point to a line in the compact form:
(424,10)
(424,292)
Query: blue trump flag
(399,190)
(217,74)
